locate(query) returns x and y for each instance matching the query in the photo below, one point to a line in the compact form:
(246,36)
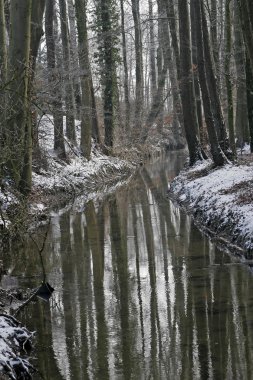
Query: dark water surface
(140,293)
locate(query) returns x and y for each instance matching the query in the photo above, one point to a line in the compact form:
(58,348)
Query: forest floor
(221,202)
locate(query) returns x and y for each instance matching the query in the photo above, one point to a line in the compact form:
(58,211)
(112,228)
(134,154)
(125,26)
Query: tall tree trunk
(241,121)
(247,26)
(139,99)
(195,71)
(217,154)
(86,126)
(173,30)
(18,77)
(54,80)
(229,87)
(3,48)
(163,60)
(126,79)
(74,58)
(186,84)
(249,86)
(69,92)
(3,80)
(37,32)
(152,48)
(110,77)
(214,33)
(213,88)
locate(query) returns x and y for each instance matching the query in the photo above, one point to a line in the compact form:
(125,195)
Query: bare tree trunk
(173,30)
(126,79)
(139,65)
(3,80)
(69,92)
(241,122)
(3,48)
(152,48)
(217,154)
(213,88)
(214,33)
(88,100)
(37,32)
(74,58)
(249,82)
(186,84)
(195,71)
(246,13)
(54,81)
(18,77)
(228,79)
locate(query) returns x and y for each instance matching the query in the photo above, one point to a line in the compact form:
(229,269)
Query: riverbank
(56,182)
(221,202)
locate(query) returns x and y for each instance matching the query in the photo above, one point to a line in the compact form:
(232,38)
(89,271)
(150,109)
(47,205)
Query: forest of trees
(126,69)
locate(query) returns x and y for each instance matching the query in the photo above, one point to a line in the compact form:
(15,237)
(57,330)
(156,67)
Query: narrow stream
(140,293)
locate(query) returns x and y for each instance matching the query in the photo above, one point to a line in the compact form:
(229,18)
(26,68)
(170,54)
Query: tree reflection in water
(141,293)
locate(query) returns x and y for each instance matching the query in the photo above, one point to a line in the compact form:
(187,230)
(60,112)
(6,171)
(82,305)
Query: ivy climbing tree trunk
(86,83)
(107,38)
(37,13)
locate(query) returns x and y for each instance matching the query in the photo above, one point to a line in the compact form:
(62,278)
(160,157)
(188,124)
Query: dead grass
(243,190)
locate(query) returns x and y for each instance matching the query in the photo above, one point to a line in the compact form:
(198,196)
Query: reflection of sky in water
(144,295)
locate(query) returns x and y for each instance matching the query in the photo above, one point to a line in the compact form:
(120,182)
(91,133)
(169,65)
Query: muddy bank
(221,203)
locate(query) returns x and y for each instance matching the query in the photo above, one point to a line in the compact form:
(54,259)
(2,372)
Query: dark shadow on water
(140,293)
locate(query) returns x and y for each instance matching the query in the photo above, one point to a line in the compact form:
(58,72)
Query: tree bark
(18,77)
(246,13)
(186,84)
(249,82)
(213,88)
(217,154)
(152,48)
(74,60)
(54,81)
(37,32)
(173,30)
(125,64)
(241,121)
(229,87)
(69,91)
(139,65)
(195,72)
(87,109)
(3,79)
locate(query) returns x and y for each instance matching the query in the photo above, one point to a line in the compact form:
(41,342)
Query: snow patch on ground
(221,198)
(13,340)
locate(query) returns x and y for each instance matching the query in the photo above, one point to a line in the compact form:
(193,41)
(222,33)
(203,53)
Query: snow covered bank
(15,341)
(221,201)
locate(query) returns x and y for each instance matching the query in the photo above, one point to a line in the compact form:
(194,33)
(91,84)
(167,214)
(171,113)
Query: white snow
(73,178)
(218,196)
(12,341)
